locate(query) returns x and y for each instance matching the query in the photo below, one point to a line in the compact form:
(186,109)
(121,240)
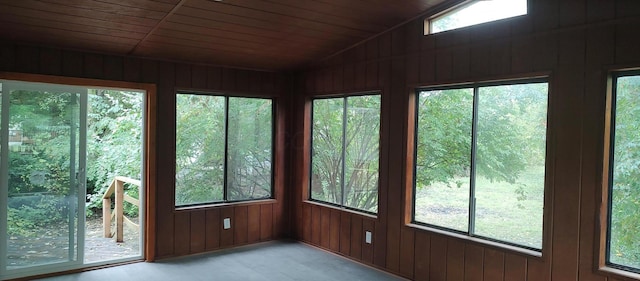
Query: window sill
(226,204)
(500,246)
(368,215)
(619,273)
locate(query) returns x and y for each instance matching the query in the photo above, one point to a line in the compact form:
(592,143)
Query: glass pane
(510,163)
(326,151)
(624,245)
(478,12)
(249,152)
(42,191)
(362,153)
(200,143)
(443,161)
(114,149)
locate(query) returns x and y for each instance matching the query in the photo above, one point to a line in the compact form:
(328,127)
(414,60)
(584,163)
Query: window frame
(606,207)
(344,97)
(428,29)
(225,200)
(413,153)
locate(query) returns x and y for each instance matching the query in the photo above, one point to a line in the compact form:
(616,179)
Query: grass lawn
(501,212)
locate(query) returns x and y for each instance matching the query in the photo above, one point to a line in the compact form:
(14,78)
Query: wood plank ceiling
(257,34)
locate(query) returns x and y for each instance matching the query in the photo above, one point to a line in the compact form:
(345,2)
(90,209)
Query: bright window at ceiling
(345,152)
(623,243)
(224,149)
(480,160)
(476,12)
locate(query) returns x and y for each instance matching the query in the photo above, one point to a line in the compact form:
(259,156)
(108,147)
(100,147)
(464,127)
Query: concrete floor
(276,260)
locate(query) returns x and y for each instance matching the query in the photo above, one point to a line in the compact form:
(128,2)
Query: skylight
(476,12)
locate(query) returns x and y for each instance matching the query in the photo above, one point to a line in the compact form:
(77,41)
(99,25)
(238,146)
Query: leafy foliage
(40,125)
(42,128)
(510,138)
(625,191)
(249,148)
(202,148)
(354,139)
(28,214)
(114,143)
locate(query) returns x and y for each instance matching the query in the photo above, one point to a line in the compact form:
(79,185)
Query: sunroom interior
(425,139)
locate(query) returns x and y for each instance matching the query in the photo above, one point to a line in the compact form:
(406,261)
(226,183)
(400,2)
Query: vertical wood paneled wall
(186,231)
(576,42)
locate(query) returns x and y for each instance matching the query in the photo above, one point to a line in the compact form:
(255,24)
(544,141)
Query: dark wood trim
(409,169)
(603,202)
(151,162)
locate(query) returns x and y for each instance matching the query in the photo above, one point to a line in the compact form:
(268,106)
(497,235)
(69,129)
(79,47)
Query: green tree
(114,142)
(249,148)
(625,195)
(40,127)
(203,150)
(511,129)
(200,148)
(357,135)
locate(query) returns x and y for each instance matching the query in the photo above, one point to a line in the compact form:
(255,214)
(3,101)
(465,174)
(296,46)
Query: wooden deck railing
(117,188)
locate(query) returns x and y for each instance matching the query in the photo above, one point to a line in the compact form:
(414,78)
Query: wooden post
(106,217)
(119,211)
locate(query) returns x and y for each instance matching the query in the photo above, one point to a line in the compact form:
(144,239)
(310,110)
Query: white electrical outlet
(367,237)
(227,223)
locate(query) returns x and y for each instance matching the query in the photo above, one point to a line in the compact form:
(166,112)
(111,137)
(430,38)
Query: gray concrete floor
(276,260)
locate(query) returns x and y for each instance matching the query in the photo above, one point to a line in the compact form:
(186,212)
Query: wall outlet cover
(227,223)
(367,237)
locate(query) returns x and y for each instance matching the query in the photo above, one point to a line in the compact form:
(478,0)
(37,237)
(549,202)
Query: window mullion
(472,178)
(344,150)
(226,150)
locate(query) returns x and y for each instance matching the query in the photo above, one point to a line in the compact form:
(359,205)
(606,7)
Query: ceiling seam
(153,30)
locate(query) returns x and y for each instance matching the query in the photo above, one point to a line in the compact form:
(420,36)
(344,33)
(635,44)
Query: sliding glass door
(50,195)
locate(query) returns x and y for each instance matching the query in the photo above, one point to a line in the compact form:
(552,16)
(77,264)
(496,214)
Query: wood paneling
(493,265)
(357,235)
(254,218)
(515,268)
(240,225)
(438,258)
(367,249)
(473,266)
(212,228)
(455,260)
(422,254)
(266,228)
(575,50)
(198,231)
(345,233)
(272,35)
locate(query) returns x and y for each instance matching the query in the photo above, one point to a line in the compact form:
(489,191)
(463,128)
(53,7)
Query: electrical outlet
(227,223)
(367,237)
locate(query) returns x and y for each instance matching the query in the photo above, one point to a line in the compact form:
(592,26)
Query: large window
(224,149)
(480,160)
(345,151)
(623,242)
(476,12)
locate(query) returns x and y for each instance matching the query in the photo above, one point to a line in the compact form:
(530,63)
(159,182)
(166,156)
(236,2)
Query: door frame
(149,141)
